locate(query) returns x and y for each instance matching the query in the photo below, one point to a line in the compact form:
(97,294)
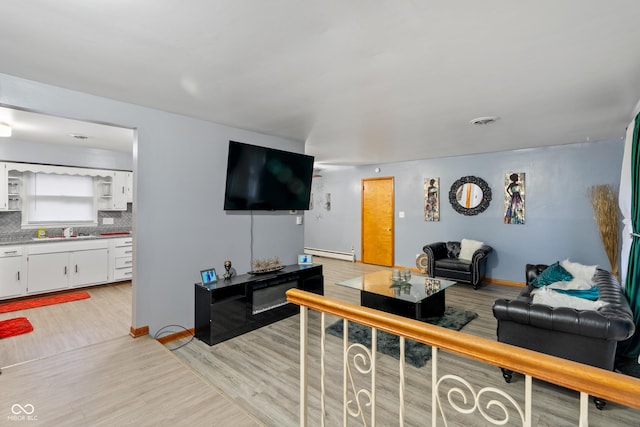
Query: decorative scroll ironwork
(361,357)
(456,394)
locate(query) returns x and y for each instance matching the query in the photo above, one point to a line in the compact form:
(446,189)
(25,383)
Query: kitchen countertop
(22,240)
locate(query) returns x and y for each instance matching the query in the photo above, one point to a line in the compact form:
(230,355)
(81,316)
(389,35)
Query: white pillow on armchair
(468,247)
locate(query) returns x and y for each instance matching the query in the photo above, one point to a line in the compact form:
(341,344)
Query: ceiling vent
(79,136)
(487,120)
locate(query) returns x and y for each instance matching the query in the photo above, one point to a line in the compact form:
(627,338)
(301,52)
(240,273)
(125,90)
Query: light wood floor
(259,370)
(80,367)
(79,377)
(63,327)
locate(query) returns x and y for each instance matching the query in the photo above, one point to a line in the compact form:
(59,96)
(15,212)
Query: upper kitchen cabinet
(10,188)
(129,187)
(112,191)
(4,187)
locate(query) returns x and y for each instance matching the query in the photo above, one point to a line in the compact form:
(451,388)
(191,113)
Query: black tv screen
(261,178)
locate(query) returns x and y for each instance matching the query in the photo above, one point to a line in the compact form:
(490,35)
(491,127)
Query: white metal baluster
(434,385)
(401,391)
(345,347)
(304,313)
(322,371)
(528,399)
(374,350)
(584,410)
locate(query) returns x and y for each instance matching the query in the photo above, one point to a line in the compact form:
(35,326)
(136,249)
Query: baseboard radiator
(347,256)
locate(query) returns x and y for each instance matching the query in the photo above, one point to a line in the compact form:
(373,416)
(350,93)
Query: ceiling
(360,82)
(42,128)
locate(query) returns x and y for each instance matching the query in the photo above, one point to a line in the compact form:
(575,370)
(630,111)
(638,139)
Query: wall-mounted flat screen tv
(261,178)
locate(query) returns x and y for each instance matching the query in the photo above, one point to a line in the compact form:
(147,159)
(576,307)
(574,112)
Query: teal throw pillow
(552,274)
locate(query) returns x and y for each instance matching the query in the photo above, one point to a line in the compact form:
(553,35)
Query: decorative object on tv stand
(470,195)
(265,265)
(432,199)
(605,211)
(514,198)
(229,271)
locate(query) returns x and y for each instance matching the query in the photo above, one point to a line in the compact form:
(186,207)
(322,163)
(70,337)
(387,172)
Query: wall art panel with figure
(514,198)
(432,199)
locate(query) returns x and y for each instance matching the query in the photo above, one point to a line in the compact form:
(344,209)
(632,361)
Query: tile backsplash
(10,225)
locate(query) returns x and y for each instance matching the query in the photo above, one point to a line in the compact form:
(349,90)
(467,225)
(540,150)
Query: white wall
(180,227)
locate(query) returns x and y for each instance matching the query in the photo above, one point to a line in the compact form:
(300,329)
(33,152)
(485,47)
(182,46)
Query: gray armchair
(443,261)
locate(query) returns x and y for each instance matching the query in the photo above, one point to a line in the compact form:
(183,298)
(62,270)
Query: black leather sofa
(443,261)
(586,336)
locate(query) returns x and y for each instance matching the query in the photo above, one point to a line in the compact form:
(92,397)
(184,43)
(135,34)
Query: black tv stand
(229,308)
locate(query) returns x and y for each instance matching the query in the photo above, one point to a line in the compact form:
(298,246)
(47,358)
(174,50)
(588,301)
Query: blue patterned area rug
(416,354)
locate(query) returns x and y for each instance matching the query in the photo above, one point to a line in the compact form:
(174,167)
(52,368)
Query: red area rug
(40,302)
(13,327)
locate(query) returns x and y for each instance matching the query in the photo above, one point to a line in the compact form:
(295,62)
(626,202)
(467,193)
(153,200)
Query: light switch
(401,214)
(299,220)
(107,221)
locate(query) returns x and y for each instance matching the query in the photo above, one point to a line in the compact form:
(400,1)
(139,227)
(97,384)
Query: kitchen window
(58,200)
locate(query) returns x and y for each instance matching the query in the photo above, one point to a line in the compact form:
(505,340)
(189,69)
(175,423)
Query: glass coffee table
(419,298)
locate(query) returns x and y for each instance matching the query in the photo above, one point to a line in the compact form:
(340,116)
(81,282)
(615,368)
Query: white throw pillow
(546,296)
(578,270)
(468,247)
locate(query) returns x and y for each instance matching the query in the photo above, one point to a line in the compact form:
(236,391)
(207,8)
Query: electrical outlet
(107,221)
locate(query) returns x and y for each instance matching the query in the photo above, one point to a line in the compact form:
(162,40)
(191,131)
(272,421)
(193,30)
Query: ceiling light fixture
(5,130)
(487,120)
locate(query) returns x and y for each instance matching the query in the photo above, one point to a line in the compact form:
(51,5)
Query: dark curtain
(631,347)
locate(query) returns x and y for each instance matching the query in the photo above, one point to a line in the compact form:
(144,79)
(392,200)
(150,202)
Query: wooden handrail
(622,389)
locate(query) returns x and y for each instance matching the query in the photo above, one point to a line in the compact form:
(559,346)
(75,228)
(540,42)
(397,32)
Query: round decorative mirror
(470,195)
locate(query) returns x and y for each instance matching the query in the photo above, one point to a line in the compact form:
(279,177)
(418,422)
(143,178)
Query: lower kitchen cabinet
(47,272)
(56,266)
(12,283)
(89,267)
(48,267)
(121,250)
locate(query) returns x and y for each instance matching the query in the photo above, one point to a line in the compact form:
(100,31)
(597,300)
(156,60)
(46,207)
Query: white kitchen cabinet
(14,194)
(56,266)
(120,191)
(47,272)
(12,283)
(89,267)
(4,187)
(129,187)
(121,258)
(112,191)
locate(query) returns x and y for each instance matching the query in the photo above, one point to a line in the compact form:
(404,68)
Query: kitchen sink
(65,238)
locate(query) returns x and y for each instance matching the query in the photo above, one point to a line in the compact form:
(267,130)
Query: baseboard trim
(504,282)
(139,332)
(182,334)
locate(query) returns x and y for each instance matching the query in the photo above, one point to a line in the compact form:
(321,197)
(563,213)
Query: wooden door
(377,221)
